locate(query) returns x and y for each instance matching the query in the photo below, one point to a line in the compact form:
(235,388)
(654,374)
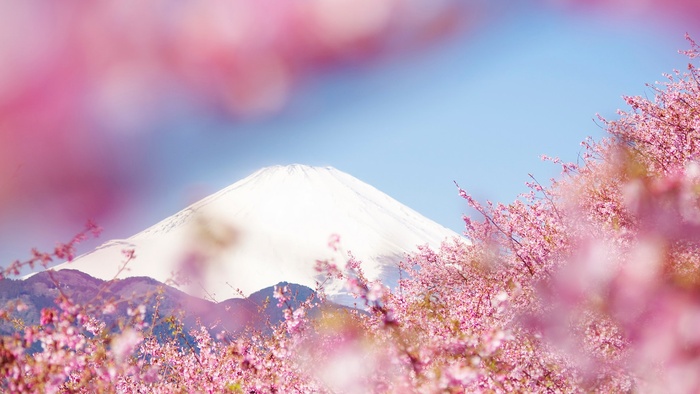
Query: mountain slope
(233,315)
(270,227)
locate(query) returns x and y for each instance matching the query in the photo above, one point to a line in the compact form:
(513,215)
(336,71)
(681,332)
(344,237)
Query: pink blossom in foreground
(81,83)
(687,10)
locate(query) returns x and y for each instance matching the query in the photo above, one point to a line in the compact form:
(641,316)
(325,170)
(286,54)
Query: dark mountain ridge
(24,299)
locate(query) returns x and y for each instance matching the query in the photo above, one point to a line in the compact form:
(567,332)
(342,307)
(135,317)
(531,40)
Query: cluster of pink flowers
(588,284)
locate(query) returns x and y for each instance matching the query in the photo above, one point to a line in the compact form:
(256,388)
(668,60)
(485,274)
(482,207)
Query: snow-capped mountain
(269,227)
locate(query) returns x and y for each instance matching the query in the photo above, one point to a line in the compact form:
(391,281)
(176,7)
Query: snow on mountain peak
(269,227)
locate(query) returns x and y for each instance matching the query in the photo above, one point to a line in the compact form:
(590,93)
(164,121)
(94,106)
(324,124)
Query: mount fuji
(271,227)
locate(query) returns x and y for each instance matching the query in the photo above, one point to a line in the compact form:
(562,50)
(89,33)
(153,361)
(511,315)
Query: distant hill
(257,311)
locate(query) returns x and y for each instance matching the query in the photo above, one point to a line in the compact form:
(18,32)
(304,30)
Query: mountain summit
(269,227)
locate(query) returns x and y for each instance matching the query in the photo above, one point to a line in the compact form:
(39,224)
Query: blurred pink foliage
(79,81)
(688,10)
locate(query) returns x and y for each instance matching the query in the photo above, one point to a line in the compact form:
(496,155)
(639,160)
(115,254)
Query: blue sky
(478,109)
